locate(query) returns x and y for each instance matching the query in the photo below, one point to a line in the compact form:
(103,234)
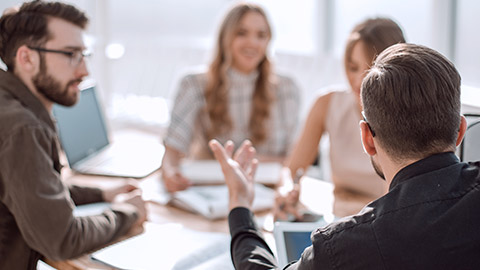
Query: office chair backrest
(470,146)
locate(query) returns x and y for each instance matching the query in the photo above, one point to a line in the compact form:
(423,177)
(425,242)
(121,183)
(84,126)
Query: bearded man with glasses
(42,45)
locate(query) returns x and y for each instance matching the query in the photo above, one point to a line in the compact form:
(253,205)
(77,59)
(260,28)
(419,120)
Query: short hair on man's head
(411,98)
(29,26)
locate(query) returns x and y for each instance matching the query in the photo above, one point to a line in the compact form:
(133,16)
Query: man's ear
(461,130)
(367,139)
(26,60)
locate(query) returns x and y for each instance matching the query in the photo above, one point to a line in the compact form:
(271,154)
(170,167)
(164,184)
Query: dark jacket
(429,219)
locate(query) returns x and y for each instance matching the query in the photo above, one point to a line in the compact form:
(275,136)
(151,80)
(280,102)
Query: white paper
(208,201)
(209,172)
(166,246)
(212,201)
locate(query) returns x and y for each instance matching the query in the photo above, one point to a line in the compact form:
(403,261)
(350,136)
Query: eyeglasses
(76,56)
(369,127)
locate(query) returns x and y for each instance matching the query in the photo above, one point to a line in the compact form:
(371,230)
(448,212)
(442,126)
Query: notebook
(291,239)
(85,140)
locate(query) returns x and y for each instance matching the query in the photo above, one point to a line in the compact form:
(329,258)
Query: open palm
(238,169)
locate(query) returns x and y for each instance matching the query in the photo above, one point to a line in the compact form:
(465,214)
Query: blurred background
(141,48)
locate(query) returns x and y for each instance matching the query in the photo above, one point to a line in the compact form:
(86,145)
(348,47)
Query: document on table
(212,201)
(209,172)
(208,201)
(169,246)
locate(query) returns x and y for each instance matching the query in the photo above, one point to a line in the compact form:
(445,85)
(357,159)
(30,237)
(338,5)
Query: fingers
(292,197)
(278,210)
(129,185)
(244,152)
(287,207)
(253,169)
(229,147)
(245,156)
(135,199)
(176,182)
(109,194)
(219,152)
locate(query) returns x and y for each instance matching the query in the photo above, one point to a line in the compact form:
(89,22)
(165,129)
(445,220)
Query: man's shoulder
(346,241)
(14,116)
(355,222)
(475,164)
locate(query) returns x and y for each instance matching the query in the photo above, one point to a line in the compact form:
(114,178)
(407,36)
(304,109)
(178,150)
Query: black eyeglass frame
(368,124)
(70,54)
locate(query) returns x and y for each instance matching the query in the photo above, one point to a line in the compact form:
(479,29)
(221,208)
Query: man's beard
(377,169)
(52,89)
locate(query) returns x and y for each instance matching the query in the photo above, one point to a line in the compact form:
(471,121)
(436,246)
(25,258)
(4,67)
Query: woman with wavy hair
(337,113)
(238,98)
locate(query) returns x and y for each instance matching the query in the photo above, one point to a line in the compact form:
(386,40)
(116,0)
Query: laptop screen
(81,128)
(291,238)
(295,243)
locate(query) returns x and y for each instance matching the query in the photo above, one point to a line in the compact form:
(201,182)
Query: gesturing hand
(238,170)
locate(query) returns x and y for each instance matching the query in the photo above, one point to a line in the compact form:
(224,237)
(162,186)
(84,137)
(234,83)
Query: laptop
(291,239)
(85,140)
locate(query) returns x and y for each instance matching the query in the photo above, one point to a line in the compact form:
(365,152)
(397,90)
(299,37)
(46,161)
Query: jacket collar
(13,85)
(428,164)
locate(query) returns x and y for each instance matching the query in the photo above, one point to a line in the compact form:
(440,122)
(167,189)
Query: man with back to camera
(429,219)
(42,47)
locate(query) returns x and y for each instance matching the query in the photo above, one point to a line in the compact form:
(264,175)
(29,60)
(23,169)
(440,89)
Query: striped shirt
(189,123)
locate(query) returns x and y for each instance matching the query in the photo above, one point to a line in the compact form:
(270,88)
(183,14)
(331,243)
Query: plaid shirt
(189,121)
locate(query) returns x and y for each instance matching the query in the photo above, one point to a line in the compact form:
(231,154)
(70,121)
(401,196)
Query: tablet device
(291,238)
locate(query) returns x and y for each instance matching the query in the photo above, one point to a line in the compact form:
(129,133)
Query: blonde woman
(337,114)
(238,98)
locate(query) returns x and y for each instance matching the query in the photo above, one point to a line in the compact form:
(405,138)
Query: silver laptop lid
(81,128)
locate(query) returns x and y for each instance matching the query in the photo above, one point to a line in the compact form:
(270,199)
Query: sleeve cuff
(241,219)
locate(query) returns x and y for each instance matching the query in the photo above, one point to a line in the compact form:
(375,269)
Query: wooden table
(316,195)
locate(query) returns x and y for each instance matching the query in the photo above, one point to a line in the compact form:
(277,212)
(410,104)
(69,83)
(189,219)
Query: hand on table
(287,207)
(174,180)
(238,169)
(134,198)
(127,186)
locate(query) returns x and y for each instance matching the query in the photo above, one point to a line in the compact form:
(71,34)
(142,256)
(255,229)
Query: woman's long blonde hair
(216,92)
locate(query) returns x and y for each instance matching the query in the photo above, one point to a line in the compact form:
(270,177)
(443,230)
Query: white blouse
(355,180)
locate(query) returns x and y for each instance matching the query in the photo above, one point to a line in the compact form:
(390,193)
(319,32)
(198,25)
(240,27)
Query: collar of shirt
(12,84)
(237,76)
(425,165)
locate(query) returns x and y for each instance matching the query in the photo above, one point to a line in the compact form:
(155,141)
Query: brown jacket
(36,217)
